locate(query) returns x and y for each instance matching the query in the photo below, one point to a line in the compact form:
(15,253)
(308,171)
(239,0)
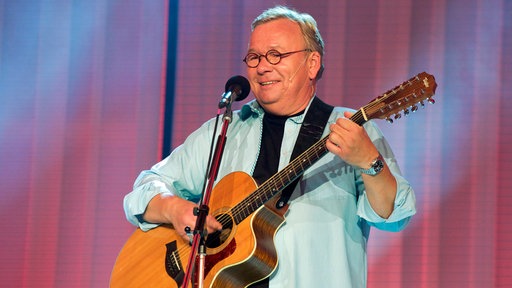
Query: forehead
(276,34)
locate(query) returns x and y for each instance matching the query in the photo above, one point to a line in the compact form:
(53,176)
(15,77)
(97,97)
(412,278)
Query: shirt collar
(253,109)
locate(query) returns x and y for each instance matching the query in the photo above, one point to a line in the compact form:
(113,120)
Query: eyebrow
(276,48)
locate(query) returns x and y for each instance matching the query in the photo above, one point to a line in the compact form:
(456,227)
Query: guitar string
(268,189)
(263,192)
(237,209)
(256,196)
(357,117)
(265,189)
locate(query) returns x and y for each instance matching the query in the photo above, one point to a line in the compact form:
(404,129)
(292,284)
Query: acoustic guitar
(243,252)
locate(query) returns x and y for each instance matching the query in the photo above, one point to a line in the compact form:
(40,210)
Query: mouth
(267,83)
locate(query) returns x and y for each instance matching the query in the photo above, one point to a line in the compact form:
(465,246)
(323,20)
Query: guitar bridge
(173,265)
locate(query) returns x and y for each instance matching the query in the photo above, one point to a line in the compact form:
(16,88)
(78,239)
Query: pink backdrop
(81,108)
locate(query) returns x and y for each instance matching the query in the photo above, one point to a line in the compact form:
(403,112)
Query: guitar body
(234,258)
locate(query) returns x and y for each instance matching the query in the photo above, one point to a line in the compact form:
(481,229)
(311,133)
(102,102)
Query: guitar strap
(310,132)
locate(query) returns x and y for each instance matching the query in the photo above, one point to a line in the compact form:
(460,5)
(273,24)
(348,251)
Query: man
(357,185)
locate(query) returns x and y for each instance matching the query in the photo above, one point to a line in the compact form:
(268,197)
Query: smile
(268,83)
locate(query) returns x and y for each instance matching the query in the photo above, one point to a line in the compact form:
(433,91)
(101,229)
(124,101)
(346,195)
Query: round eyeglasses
(273,57)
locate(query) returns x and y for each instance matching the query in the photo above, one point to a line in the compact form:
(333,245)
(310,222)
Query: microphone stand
(198,245)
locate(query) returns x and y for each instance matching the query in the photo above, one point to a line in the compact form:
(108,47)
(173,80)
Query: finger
(347,124)
(337,131)
(337,136)
(186,236)
(212,224)
(333,148)
(348,114)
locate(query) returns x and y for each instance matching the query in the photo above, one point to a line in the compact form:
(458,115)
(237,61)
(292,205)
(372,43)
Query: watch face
(378,166)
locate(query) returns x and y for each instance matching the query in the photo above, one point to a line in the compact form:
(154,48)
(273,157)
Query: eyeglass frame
(281,56)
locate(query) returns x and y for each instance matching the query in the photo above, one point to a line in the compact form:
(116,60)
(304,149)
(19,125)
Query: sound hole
(218,238)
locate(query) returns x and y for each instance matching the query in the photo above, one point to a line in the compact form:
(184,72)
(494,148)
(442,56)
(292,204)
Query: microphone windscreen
(240,85)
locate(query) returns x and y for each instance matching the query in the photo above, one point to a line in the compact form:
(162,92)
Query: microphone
(237,88)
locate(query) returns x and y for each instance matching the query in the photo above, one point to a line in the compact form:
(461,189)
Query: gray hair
(306,23)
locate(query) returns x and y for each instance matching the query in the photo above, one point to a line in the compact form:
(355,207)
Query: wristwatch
(375,167)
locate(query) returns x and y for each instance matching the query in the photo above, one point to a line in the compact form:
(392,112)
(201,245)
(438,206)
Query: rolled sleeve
(136,202)
(404,208)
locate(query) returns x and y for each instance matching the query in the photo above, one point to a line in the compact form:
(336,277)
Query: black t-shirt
(270,150)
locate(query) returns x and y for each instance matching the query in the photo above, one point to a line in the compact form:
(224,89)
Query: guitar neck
(401,98)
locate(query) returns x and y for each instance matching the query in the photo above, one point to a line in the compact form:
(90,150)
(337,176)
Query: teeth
(267,83)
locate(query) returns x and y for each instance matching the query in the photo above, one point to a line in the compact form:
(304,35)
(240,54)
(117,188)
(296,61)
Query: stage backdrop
(82,97)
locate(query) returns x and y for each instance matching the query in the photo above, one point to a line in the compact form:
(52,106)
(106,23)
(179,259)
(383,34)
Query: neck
(288,110)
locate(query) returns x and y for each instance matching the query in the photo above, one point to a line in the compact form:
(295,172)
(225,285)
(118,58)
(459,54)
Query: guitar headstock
(404,98)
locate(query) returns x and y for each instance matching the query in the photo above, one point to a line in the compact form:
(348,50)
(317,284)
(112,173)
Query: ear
(314,64)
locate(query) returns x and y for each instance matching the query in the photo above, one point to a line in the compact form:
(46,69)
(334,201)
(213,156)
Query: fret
(254,205)
(259,199)
(290,175)
(272,192)
(244,212)
(303,162)
(236,216)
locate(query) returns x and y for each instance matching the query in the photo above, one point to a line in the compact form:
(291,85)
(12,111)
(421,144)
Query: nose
(264,65)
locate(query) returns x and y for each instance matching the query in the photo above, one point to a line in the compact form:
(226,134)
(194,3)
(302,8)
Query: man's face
(284,88)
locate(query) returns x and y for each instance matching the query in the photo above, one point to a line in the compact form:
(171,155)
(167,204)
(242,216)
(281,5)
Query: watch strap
(375,167)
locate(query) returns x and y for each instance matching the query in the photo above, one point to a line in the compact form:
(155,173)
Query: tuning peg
(431,101)
(389,120)
(406,112)
(422,104)
(398,116)
(414,108)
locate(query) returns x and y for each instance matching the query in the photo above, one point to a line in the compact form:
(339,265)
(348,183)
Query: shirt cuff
(136,203)
(404,208)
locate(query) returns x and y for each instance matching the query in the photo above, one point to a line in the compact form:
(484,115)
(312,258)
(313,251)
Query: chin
(266,101)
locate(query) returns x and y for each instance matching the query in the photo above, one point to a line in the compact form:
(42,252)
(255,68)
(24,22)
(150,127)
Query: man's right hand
(178,212)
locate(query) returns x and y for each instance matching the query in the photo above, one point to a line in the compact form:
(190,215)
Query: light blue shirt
(324,238)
